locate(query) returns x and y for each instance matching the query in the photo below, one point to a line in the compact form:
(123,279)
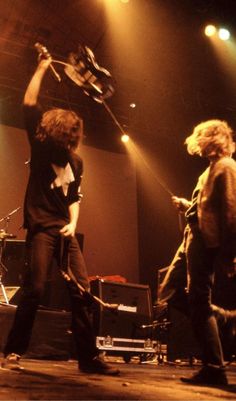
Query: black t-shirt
(54,180)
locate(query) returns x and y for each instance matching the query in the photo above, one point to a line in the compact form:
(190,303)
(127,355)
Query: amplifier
(14,261)
(51,335)
(135,309)
(181,340)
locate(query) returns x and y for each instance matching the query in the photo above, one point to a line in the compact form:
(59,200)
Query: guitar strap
(67,274)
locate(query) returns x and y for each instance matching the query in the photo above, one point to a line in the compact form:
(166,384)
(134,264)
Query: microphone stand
(7,220)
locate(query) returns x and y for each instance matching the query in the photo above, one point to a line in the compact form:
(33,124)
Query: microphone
(42,50)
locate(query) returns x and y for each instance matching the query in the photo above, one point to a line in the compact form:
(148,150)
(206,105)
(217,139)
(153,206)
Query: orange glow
(225,51)
(148,167)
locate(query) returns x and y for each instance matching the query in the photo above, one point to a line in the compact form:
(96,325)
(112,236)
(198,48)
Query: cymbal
(5,235)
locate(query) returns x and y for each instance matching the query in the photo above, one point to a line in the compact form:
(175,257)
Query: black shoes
(208,376)
(97,366)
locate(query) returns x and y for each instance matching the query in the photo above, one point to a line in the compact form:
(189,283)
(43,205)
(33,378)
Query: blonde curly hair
(212,138)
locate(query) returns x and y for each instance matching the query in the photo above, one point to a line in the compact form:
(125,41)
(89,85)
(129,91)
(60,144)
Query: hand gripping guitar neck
(84,71)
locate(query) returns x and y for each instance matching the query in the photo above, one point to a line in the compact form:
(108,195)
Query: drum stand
(2,270)
(3,236)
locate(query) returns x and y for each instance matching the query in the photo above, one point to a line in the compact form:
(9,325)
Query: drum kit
(4,235)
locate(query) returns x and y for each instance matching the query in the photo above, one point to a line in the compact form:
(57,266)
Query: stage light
(132,105)
(210,30)
(224,34)
(125,138)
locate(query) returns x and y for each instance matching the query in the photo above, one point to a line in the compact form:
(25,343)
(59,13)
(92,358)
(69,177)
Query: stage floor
(60,380)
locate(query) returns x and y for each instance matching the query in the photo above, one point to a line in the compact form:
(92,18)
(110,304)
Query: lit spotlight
(125,138)
(224,34)
(132,105)
(210,30)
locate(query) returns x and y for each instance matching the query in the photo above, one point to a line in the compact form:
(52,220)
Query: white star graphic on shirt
(64,177)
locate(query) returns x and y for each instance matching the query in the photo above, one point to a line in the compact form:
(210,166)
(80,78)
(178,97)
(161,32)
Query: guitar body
(86,73)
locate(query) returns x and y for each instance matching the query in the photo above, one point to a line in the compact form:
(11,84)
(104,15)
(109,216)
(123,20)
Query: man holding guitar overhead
(51,211)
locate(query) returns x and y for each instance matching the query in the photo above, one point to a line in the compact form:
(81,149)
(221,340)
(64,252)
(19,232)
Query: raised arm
(32,91)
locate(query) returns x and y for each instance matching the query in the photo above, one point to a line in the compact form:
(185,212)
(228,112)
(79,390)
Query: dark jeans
(172,289)
(194,266)
(201,263)
(41,247)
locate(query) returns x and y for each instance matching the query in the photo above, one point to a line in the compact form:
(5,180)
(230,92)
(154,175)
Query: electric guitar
(84,71)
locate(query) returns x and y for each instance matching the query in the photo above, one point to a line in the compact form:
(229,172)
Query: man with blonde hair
(211,241)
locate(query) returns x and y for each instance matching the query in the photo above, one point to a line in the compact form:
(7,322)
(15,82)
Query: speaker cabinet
(181,342)
(135,309)
(14,261)
(224,290)
(51,335)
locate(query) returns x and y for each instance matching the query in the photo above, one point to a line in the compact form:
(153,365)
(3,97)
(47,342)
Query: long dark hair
(62,128)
